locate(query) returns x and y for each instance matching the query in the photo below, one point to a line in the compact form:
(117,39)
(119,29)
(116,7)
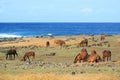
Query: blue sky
(59,10)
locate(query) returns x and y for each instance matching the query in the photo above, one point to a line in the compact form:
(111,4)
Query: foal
(28,55)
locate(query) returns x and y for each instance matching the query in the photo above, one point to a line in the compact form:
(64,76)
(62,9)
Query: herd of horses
(83,55)
(13,52)
(93,57)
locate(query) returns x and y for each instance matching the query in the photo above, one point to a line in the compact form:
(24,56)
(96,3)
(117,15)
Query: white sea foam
(9,35)
(49,34)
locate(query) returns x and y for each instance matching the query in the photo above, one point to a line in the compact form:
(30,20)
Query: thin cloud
(86,10)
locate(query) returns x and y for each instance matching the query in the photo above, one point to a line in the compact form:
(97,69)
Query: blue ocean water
(57,29)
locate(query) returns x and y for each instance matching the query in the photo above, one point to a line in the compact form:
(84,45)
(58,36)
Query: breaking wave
(9,35)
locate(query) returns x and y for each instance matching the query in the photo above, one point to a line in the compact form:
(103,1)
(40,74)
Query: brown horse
(92,37)
(81,56)
(28,55)
(59,42)
(102,37)
(93,52)
(10,53)
(47,44)
(107,54)
(83,43)
(94,57)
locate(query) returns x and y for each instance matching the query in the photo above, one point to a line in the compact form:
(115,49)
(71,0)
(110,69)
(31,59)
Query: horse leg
(28,58)
(79,61)
(6,56)
(10,57)
(14,56)
(33,57)
(86,44)
(110,58)
(104,59)
(107,58)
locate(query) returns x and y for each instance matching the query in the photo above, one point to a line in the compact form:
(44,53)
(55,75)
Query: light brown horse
(107,54)
(102,37)
(94,57)
(59,42)
(27,55)
(83,43)
(81,56)
(93,52)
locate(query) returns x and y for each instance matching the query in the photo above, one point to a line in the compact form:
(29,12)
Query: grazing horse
(28,55)
(59,42)
(92,37)
(47,44)
(94,57)
(83,43)
(102,37)
(107,54)
(81,56)
(10,53)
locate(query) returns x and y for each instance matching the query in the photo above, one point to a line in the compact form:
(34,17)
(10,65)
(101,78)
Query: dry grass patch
(49,76)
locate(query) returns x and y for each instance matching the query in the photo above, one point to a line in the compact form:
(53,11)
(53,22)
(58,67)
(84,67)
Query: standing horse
(83,43)
(102,37)
(10,53)
(107,54)
(47,44)
(27,55)
(81,56)
(59,42)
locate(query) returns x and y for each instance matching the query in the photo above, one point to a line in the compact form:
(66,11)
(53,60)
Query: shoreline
(41,40)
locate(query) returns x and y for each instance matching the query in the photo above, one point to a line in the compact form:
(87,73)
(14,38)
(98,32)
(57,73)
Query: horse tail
(24,57)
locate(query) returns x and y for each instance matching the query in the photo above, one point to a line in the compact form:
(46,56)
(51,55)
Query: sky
(59,10)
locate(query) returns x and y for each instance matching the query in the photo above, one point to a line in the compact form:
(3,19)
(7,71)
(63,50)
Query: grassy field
(60,66)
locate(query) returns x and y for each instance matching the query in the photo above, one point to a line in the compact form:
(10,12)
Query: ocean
(57,29)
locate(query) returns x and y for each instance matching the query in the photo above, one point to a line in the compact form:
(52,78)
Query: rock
(99,69)
(73,73)
(82,72)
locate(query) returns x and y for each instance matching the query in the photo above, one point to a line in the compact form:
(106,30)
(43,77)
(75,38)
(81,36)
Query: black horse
(10,53)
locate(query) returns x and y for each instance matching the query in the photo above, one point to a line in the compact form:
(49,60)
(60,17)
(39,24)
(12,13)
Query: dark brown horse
(59,42)
(107,54)
(28,55)
(83,43)
(47,44)
(10,53)
(81,56)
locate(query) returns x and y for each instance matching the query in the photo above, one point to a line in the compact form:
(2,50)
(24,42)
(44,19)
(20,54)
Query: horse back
(31,53)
